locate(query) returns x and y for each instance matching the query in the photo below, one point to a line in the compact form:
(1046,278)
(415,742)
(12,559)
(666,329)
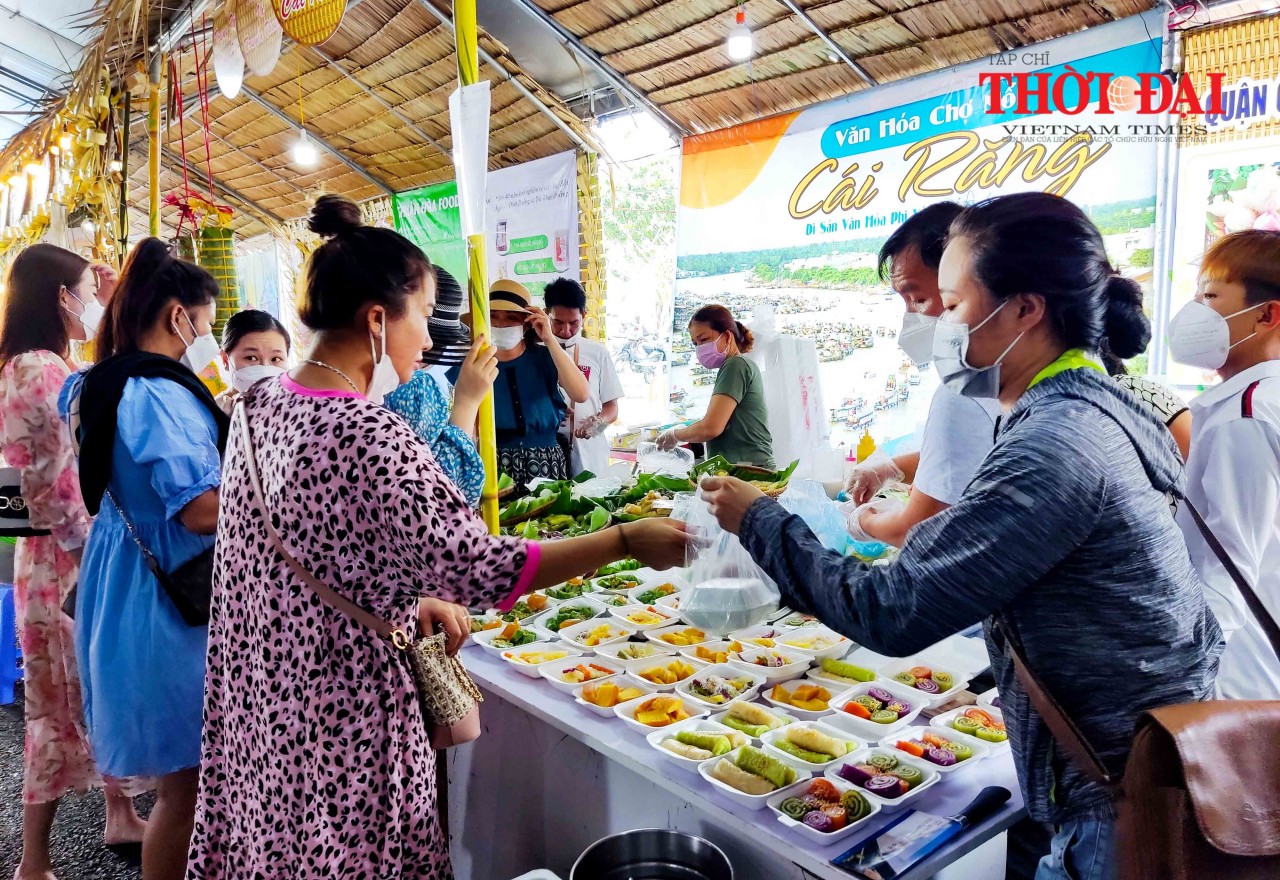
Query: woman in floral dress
(316,762)
(51,303)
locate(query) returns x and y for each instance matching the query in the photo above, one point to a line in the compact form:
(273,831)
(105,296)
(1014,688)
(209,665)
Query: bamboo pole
(155,74)
(464,29)
(122,239)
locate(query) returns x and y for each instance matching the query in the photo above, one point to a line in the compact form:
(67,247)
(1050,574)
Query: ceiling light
(88,227)
(115,166)
(303,151)
(740,44)
(831,56)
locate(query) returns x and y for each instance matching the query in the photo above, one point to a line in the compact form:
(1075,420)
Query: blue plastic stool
(9,650)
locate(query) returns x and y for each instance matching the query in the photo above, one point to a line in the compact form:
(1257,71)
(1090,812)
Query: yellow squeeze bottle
(866,446)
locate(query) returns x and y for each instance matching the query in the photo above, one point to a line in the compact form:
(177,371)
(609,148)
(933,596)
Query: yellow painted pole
(464,29)
(155,75)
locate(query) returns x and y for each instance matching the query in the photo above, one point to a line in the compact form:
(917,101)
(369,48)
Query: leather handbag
(1200,795)
(449,699)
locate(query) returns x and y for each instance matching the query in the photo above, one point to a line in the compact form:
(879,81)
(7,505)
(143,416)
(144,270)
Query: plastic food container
(656,635)
(612,651)
(715,645)
(636,577)
(780,733)
(552,670)
(539,623)
(696,725)
(668,617)
(551,601)
(526,660)
(944,721)
(725,671)
(822,838)
(795,620)
(796,711)
(607,711)
(635,667)
(751,801)
(618,631)
(889,805)
(673,602)
(980,749)
(766,631)
(798,665)
(485,639)
(721,605)
(627,712)
(839,647)
(871,730)
(819,675)
(653,583)
(889,670)
(787,717)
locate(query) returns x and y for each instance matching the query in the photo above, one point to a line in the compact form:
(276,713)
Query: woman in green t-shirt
(737,421)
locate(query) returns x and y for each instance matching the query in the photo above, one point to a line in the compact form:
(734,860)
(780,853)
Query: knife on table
(916,835)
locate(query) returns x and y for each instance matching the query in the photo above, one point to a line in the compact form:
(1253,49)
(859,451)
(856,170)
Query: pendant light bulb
(304,152)
(740,44)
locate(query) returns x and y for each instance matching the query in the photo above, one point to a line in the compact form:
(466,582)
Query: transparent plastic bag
(652,460)
(727,590)
(808,500)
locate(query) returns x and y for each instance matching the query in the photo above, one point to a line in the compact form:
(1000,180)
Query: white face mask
(244,378)
(950,359)
(506,338)
(916,337)
(385,378)
(90,316)
(1200,337)
(201,350)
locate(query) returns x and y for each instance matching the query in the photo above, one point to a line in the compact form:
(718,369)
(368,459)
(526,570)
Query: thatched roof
(376,94)
(673,51)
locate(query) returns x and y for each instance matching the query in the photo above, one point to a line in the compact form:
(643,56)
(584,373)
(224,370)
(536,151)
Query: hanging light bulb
(740,44)
(87,226)
(303,151)
(115,166)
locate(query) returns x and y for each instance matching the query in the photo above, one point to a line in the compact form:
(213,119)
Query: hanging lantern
(310,22)
(218,256)
(259,34)
(228,60)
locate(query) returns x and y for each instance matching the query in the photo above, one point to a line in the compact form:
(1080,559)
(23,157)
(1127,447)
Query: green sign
(429,218)
(526,244)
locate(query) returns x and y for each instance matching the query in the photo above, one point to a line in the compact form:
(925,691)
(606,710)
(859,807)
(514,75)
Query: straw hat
(506,295)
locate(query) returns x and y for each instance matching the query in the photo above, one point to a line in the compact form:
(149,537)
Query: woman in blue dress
(423,401)
(150,438)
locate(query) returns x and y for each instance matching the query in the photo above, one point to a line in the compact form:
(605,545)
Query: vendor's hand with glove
(860,518)
(587,428)
(870,476)
(668,440)
(729,498)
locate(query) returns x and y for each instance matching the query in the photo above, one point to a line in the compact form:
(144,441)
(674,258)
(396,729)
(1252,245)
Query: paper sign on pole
(469,124)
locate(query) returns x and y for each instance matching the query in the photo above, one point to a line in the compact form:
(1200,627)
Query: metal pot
(652,854)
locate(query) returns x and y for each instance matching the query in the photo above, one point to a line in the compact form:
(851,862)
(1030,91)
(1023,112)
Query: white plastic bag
(727,591)
(652,460)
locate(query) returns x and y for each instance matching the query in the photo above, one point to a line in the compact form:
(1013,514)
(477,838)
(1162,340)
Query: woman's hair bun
(1128,331)
(334,215)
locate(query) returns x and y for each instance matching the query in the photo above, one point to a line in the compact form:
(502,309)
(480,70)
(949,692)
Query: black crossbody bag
(189,586)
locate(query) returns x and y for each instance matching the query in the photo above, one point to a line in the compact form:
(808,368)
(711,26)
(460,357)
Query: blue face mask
(950,359)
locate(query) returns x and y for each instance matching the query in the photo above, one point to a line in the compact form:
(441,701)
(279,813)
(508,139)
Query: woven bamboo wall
(591,243)
(1248,48)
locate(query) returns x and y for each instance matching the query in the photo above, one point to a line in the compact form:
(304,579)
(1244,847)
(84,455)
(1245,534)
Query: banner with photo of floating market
(791,210)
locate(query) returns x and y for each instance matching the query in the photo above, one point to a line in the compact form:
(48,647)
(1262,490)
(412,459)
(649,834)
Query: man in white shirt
(1233,473)
(584,426)
(959,432)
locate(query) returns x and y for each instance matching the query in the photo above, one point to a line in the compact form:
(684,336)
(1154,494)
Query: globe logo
(1123,93)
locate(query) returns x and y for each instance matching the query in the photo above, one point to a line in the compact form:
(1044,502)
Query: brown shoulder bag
(1200,797)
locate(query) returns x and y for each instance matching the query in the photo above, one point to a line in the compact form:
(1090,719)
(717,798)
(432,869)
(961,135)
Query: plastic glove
(667,440)
(878,506)
(586,428)
(870,476)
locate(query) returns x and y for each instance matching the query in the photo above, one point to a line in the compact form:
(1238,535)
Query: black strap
(147,556)
(517,411)
(1264,618)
